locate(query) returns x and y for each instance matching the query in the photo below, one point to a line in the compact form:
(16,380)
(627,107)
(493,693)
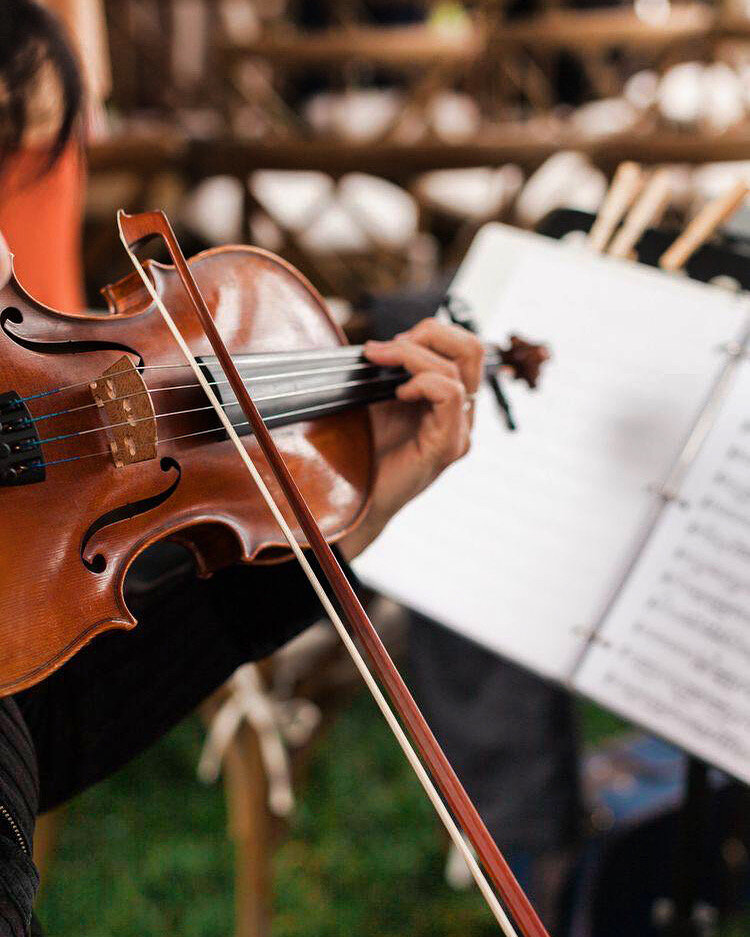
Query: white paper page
(519,545)
(674,650)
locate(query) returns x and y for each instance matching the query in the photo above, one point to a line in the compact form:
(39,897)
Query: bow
(431,766)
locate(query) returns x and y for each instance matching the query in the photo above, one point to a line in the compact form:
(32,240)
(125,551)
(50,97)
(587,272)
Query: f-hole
(11,315)
(127,511)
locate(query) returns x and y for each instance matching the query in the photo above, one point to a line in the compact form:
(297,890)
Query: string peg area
(525,359)
(130,421)
(20,451)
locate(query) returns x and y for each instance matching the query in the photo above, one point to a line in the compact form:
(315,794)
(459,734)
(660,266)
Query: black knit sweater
(126,689)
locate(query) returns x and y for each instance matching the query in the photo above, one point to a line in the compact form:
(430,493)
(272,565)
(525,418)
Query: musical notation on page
(673,653)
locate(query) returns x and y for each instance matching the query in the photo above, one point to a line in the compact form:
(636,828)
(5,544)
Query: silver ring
(469,403)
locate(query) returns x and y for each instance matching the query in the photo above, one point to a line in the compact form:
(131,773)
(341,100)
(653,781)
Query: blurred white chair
(680,93)
(641,89)
(565,180)
(696,94)
(604,118)
(474,194)
(213,210)
(453,116)
(358,115)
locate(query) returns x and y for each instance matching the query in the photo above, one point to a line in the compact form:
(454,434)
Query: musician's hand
(428,426)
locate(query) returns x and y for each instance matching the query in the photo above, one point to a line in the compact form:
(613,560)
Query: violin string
(75,458)
(281,415)
(492,359)
(343,351)
(406,746)
(140,370)
(282,375)
(269,397)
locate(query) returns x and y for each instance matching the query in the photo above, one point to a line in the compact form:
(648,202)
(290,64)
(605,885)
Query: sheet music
(674,651)
(519,545)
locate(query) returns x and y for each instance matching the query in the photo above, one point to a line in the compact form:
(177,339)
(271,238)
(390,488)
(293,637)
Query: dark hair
(31,37)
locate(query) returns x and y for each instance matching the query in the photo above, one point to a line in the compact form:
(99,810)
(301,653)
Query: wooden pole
(702,227)
(646,213)
(622,193)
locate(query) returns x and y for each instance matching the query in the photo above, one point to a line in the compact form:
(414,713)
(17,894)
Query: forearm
(357,540)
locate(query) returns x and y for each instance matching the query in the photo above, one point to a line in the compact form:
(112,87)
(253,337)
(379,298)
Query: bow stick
(136,229)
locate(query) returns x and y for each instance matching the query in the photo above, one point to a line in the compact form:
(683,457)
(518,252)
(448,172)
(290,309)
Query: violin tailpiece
(128,413)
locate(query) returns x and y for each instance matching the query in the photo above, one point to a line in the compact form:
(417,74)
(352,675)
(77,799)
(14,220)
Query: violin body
(69,530)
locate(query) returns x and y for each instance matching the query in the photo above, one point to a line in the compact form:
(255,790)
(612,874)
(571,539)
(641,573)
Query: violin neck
(297,386)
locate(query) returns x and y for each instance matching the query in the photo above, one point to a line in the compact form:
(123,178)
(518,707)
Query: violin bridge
(128,413)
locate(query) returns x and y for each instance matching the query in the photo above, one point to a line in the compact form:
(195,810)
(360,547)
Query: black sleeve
(19,881)
(19,878)
(126,689)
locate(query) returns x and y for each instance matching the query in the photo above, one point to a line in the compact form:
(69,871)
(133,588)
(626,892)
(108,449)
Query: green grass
(146,853)
(597,725)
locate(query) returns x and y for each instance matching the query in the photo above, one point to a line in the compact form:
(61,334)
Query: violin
(117,432)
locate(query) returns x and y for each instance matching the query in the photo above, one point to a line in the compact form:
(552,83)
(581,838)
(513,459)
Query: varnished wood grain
(50,602)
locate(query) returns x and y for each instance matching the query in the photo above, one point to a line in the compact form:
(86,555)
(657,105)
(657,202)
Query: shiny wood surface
(51,601)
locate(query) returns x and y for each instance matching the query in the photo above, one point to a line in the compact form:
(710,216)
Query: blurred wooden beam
(493,148)
(512,143)
(599,29)
(416,46)
(664,146)
(398,46)
(387,159)
(137,152)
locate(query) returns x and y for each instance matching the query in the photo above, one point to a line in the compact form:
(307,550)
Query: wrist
(357,540)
